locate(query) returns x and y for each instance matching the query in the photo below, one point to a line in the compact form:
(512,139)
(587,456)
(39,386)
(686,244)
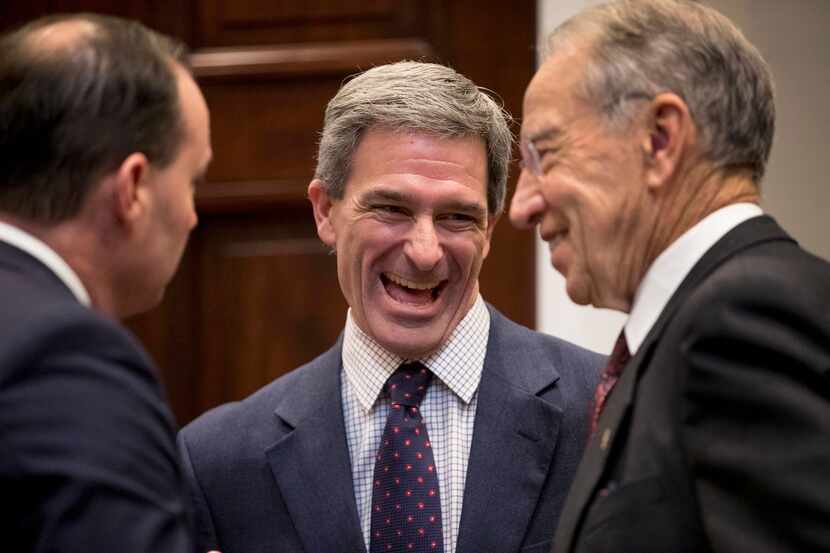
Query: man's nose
(423,247)
(528,205)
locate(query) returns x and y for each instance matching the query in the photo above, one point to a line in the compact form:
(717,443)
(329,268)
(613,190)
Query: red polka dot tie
(406,508)
(610,374)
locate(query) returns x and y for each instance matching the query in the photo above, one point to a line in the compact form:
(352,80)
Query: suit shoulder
(768,303)
(245,417)
(538,356)
(56,328)
(779,275)
(518,337)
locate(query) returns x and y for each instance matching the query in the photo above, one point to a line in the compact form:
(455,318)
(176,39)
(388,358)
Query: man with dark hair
(645,137)
(434,424)
(103,134)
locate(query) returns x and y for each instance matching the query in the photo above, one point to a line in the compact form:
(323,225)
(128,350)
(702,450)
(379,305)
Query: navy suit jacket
(259,486)
(87,453)
(717,436)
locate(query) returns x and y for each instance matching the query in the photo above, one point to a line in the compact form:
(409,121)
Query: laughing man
(433,423)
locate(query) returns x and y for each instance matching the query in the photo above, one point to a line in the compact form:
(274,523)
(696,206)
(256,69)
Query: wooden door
(257,293)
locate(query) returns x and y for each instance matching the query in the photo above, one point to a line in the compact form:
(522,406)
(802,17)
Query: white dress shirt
(673,265)
(35,247)
(448,410)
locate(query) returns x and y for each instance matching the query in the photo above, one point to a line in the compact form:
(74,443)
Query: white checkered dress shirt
(448,410)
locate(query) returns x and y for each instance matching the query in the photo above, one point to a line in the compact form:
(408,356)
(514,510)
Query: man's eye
(461,220)
(391,209)
(545,154)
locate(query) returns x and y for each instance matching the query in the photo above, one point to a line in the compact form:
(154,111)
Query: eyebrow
(545,134)
(467,207)
(385,195)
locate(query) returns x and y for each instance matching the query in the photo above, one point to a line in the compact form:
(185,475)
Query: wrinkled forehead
(552,93)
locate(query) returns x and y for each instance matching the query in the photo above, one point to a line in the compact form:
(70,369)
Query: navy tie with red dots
(406,508)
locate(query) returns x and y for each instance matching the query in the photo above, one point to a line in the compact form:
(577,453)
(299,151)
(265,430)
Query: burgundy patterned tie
(610,374)
(406,509)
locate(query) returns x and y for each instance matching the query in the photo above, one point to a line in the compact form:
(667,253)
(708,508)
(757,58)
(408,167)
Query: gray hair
(640,48)
(413,96)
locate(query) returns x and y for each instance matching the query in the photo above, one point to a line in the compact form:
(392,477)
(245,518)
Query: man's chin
(136,304)
(577,292)
(410,343)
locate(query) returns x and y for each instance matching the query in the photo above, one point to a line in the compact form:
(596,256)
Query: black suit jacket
(87,454)
(254,466)
(717,436)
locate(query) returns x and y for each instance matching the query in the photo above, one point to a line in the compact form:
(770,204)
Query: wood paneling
(173,18)
(296,60)
(246,22)
(257,293)
(269,285)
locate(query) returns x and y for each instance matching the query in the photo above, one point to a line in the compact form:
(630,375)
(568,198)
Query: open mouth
(412,292)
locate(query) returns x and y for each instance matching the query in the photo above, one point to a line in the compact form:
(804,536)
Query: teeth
(412,284)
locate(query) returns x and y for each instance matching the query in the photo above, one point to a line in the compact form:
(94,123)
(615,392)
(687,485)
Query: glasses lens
(530,158)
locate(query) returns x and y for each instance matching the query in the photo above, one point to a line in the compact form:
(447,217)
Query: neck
(77,245)
(696,198)
(686,202)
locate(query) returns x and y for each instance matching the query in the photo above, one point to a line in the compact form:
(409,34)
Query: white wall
(792,35)
(556,314)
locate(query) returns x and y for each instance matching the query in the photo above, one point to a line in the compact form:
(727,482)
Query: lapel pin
(604,439)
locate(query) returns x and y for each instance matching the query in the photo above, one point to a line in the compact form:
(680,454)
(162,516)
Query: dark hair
(72,109)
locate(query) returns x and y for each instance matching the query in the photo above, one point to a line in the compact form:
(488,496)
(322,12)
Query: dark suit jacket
(258,484)
(717,436)
(87,453)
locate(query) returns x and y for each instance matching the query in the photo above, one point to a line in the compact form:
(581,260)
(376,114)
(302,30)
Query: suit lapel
(596,454)
(592,467)
(514,438)
(311,463)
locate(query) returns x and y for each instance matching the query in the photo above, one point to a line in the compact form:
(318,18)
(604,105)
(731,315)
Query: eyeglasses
(532,161)
(530,158)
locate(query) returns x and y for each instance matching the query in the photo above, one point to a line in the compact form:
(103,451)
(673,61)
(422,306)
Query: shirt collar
(38,249)
(673,265)
(458,363)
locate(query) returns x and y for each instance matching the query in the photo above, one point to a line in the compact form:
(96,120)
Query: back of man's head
(640,48)
(78,94)
(413,97)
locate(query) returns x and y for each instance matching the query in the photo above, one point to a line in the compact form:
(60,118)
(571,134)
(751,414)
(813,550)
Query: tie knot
(619,357)
(408,384)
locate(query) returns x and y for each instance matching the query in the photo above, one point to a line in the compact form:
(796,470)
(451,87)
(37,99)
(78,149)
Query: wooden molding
(213,197)
(303,59)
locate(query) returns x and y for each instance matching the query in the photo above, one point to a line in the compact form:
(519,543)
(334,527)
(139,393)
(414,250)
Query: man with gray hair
(434,423)
(645,137)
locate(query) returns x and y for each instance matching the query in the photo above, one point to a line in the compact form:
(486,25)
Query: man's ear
(131,193)
(322,204)
(670,132)
(491,225)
